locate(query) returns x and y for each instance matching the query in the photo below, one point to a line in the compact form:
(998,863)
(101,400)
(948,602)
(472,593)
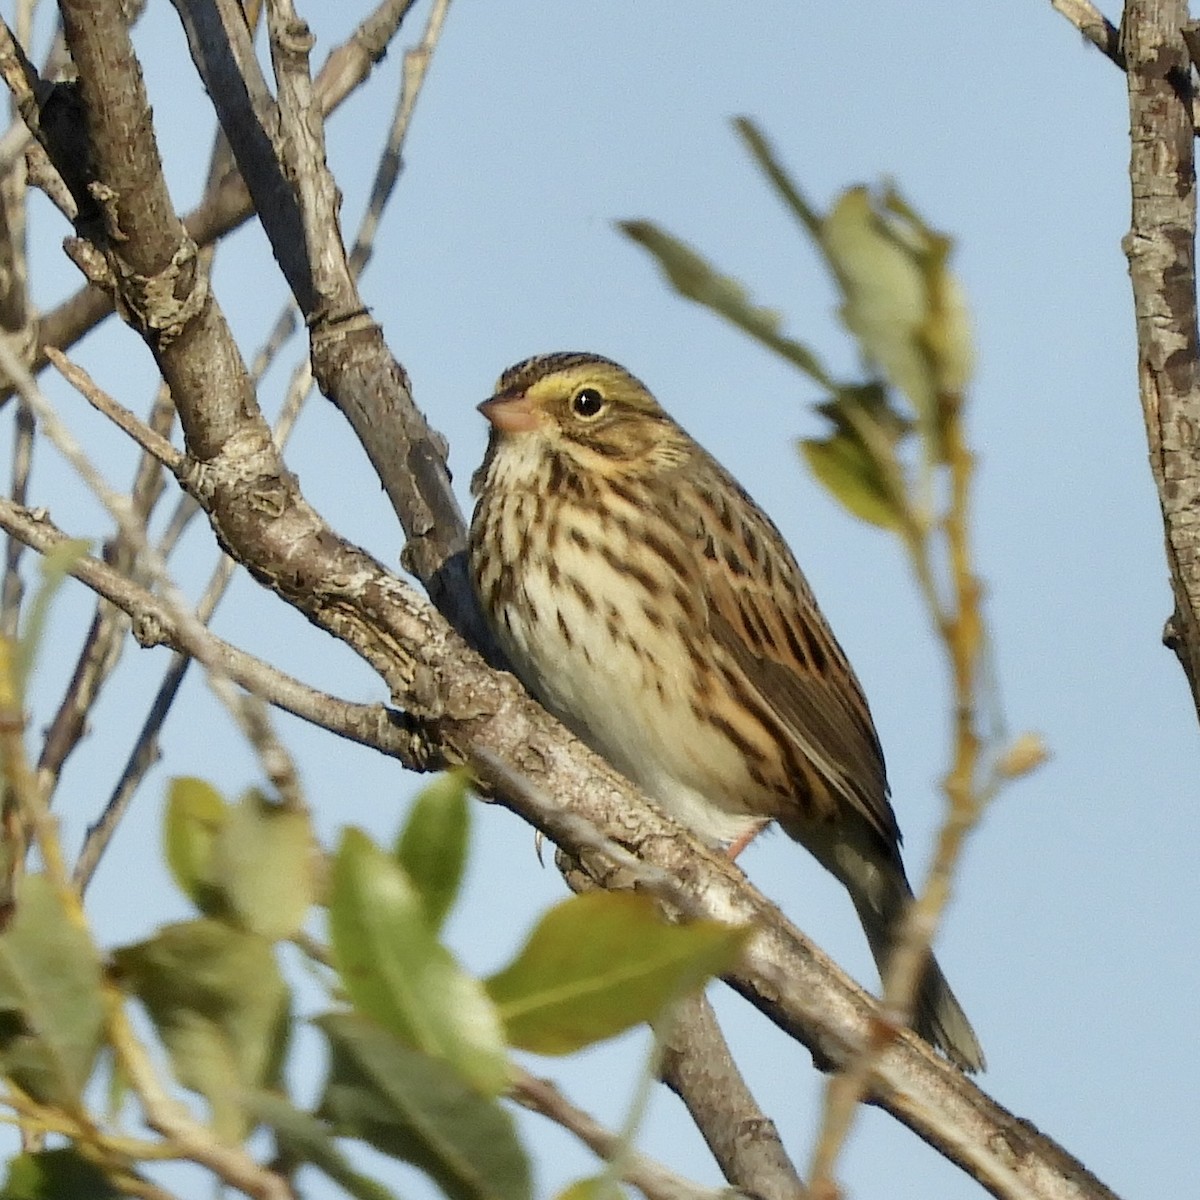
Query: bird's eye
(587,403)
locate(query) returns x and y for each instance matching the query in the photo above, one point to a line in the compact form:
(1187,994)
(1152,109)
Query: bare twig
(245,711)
(22,462)
(15,318)
(1094,26)
(416,67)
(154,624)
(152,442)
(229,206)
(350,63)
(351,361)
(103,645)
(180,613)
(118,506)
(1109,40)
(167,1116)
(960,624)
(651,1178)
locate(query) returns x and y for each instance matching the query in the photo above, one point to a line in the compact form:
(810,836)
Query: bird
(643,598)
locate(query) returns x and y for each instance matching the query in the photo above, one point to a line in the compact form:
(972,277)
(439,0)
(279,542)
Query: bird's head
(588,408)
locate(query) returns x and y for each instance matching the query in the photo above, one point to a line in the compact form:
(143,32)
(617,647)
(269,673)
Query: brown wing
(764,616)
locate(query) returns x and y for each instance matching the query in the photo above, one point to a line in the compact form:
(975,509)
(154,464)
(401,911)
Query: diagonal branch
(1094,26)
(351,361)
(651,1178)
(696,1062)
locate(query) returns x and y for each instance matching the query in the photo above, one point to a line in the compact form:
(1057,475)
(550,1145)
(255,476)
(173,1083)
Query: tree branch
(699,1068)
(351,361)
(155,624)
(1161,247)
(597,818)
(651,1178)
(1094,26)
(695,1060)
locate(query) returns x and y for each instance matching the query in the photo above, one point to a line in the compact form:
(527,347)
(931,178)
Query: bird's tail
(880,901)
(875,879)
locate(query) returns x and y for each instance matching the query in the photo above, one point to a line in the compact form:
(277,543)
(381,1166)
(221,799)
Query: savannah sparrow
(652,606)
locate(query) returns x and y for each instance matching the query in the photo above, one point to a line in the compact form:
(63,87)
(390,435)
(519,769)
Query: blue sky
(1071,942)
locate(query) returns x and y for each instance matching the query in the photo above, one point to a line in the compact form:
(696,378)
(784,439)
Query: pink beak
(511,413)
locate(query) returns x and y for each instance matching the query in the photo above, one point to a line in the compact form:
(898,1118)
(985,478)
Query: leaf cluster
(418,1049)
(906,312)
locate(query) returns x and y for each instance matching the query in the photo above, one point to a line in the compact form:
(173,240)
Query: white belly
(625,688)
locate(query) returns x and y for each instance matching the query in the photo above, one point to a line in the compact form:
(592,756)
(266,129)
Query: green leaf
(51,1008)
(55,567)
(433,847)
(885,295)
(947,330)
(305,1138)
(694,277)
(221,1007)
(901,302)
(56,1175)
(195,815)
(858,462)
(842,464)
(782,182)
(595,1187)
(417,1109)
(264,859)
(396,971)
(599,963)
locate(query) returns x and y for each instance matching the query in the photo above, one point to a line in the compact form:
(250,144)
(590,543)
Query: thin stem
(651,1178)
(962,634)
(167,1116)
(22,461)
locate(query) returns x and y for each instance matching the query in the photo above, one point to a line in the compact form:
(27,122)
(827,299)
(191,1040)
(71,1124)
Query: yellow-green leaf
(599,963)
(195,816)
(843,466)
(264,859)
(51,1009)
(947,329)
(902,303)
(433,847)
(886,301)
(395,970)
